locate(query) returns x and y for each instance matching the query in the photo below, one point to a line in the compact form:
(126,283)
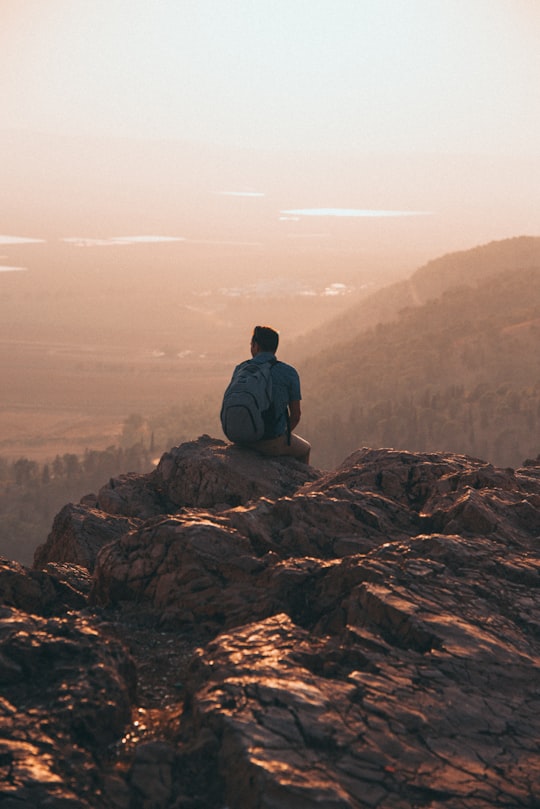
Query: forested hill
(459,373)
(468,267)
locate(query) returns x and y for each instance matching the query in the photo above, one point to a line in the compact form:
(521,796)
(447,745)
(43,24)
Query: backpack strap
(270,413)
(273,362)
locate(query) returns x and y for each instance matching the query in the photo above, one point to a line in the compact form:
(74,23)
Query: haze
(386,76)
(172,172)
(185,167)
(124,114)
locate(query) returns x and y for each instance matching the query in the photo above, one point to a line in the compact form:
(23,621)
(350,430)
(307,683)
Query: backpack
(247,402)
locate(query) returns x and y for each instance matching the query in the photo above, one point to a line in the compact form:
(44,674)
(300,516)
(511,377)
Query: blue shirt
(285,389)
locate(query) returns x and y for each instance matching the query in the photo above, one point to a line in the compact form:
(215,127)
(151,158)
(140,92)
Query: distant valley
(90,335)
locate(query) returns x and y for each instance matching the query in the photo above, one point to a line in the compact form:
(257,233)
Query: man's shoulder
(285,370)
(241,365)
(280,370)
(286,366)
(253,362)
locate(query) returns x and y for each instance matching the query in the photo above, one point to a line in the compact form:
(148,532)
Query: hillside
(467,267)
(459,373)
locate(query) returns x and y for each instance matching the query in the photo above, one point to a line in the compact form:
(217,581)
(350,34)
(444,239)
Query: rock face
(367,637)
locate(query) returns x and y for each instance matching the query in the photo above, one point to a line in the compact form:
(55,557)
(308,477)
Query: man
(284,413)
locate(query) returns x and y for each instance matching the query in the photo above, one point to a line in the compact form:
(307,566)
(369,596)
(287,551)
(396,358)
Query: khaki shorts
(298,448)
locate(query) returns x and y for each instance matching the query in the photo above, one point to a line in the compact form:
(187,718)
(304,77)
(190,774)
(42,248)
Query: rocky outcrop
(207,473)
(367,637)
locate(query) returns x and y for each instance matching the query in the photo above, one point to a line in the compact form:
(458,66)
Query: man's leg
(298,448)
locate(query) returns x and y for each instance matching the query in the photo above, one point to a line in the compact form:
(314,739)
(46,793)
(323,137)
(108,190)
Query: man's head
(264,339)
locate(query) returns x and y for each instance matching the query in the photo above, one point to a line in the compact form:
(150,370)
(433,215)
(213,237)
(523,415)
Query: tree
(24,471)
(72,466)
(135,430)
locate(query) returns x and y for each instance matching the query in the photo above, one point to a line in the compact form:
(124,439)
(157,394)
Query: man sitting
(283,415)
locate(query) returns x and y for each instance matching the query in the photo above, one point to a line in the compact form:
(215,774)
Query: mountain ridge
(459,372)
(465,267)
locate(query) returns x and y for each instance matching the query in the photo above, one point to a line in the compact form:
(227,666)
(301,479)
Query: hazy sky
(448,76)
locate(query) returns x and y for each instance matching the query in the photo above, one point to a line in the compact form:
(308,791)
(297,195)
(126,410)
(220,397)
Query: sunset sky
(444,94)
(376,75)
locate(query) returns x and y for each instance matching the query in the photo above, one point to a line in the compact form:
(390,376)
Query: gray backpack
(247,408)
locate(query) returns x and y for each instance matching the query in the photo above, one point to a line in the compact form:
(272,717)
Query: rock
(208,473)
(326,522)
(357,720)
(131,495)
(56,591)
(188,569)
(413,478)
(78,533)
(67,691)
(229,567)
(367,637)
(449,493)
(76,577)
(151,773)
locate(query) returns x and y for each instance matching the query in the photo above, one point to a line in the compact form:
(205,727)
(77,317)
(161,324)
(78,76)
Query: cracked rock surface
(233,631)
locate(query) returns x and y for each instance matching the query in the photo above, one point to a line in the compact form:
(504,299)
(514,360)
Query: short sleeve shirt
(285,389)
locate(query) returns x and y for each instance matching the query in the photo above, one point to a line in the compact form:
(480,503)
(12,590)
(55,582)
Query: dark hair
(266,338)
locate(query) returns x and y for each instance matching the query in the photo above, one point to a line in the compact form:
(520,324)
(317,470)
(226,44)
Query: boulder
(79,531)
(209,473)
(188,569)
(131,495)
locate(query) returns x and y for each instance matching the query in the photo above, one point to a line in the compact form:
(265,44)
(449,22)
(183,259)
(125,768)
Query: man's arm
(294,413)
